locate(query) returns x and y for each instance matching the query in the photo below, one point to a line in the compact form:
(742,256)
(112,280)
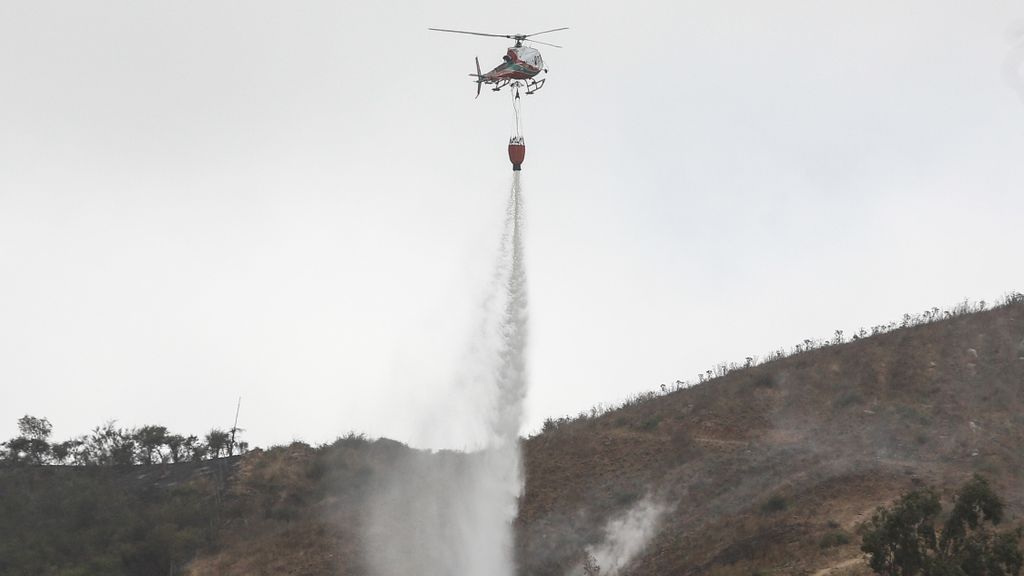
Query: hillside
(765,462)
(766,470)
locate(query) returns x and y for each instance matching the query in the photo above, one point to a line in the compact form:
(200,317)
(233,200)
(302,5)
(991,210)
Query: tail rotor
(479,77)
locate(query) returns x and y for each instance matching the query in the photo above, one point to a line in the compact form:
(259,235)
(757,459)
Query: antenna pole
(234,428)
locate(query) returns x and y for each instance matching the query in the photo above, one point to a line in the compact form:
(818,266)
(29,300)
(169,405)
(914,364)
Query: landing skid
(531,85)
(534,85)
(500,84)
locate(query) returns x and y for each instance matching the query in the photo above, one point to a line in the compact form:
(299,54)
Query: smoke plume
(625,537)
(451,513)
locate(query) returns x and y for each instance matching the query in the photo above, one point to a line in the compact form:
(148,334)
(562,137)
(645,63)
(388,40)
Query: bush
(833,539)
(774,504)
(765,381)
(848,398)
(649,424)
(625,498)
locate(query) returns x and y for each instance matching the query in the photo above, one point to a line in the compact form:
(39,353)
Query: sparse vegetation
(833,539)
(913,415)
(649,424)
(767,380)
(625,498)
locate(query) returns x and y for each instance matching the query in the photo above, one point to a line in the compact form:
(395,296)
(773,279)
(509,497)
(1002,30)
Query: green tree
(904,540)
(970,544)
(32,446)
(66,451)
(176,449)
(35,428)
(124,450)
(195,449)
(897,539)
(217,442)
(109,445)
(974,504)
(149,440)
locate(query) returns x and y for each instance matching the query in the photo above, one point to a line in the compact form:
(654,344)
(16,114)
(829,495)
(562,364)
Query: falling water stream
(448,513)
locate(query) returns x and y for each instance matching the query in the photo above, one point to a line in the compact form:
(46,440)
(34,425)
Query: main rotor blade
(544,43)
(545,32)
(473,33)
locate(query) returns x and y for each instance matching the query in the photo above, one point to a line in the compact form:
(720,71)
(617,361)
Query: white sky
(299,202)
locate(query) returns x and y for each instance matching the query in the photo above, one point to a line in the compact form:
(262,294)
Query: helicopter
(521,63)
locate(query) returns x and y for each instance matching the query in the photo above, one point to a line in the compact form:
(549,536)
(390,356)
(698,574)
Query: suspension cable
(517,110)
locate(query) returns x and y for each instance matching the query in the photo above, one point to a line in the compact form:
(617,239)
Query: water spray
(1013,67)
(452,515)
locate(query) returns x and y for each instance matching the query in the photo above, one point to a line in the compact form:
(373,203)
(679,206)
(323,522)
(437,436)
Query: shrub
(625,498)
(848,398)
(774,504)
(649,424)
(833,539)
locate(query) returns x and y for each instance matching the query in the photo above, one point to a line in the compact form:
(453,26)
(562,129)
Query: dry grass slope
(766,462)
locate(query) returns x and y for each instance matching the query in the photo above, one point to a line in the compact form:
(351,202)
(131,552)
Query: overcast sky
(299,203)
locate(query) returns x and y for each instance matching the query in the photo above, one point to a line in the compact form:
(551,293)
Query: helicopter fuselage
(520,63)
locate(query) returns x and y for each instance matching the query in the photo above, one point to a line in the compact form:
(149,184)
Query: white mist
(451,514)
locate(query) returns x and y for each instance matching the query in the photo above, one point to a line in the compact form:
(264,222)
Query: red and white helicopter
(521,63)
